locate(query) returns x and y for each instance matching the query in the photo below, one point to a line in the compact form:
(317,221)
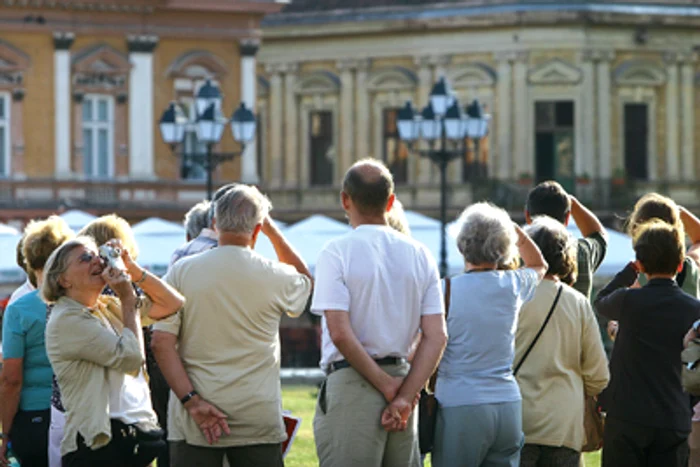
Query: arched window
(13,65)
(189,72)
(317,94)
(100,88)
(389,89)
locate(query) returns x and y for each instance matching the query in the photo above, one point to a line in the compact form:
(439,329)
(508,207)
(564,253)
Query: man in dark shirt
(648,414)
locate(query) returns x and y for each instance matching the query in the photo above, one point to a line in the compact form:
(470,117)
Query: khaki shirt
(566,364)
(228,340)
(82,343)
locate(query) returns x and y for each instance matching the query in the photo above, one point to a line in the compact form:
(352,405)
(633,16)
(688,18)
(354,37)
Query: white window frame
(6,124)
(95,126)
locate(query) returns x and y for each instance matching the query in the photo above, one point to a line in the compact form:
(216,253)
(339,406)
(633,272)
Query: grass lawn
(301,400)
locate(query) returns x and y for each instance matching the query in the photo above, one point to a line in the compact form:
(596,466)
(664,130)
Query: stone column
(688,117)
(504,116)
(588,163)
(425,83)
(672,126)
(347,110)
(362,111)
(141,98)
(291,115)
(275,96)
(603,101)
(249,159)
(522,160)
(62,42)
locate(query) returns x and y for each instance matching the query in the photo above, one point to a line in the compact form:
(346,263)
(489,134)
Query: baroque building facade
(602,97)
(83,84)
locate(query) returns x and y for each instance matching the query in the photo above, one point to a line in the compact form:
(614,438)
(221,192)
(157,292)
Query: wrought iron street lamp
(445,128)
(209,127)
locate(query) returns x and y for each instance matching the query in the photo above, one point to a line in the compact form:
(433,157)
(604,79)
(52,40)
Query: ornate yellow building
(602,96)
(83,83)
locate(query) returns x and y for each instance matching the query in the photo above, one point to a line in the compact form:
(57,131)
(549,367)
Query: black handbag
(428,405)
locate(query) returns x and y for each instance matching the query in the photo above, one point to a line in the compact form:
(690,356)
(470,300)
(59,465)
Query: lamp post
(209,126)
(445,128)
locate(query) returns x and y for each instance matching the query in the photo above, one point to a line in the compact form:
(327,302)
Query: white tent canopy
(158,226)
(427,231)
(7,230)
(77,219)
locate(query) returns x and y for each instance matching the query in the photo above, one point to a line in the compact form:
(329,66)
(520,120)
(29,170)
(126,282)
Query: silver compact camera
(112,256)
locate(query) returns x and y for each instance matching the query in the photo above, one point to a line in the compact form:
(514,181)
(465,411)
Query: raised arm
(610,299)
(586,221)
(691,224)
(530,253)
(285,252)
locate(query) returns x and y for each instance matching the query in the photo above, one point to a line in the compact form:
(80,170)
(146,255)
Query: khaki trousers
(350,433)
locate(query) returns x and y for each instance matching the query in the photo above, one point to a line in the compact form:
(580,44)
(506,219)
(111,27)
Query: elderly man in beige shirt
(220,354)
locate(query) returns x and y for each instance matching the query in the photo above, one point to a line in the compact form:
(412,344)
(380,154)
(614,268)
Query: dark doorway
(321,147)
(394,151)
(636,141)
(554,142)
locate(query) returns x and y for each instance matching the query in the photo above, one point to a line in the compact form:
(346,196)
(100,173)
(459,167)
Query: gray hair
(217,195)
(241,209)
(487,236)
(197,218)
(396,218)
(57,265)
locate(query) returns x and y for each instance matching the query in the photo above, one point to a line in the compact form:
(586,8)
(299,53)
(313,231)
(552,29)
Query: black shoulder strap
(448,290)
(544,325)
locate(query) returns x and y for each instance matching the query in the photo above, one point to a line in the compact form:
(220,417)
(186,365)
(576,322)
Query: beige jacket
(82,343)
(567,362)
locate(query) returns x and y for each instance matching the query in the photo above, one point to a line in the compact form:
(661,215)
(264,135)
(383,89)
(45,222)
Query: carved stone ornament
(555,71)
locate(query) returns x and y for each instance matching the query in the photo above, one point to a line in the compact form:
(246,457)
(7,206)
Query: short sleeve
(596,246)
(13,336)
(294,293)
(526,283)
(331,291)
(433,299)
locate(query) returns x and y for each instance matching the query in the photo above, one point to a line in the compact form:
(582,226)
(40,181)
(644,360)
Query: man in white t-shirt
(375,289)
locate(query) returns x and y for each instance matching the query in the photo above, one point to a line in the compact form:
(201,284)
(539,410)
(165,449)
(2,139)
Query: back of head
(369,184)
(549,199)
(22,263)
(217,196)
(111,226)
(240,209)
(557,245)
(196,219)
(659,247)
(41,238)
(654,206)
(487,236)
(396,218)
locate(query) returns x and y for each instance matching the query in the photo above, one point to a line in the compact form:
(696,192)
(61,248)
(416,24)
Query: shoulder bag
(427,405)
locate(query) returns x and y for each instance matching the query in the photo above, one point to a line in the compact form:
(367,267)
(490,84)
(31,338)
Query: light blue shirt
(476,367)
(24,324)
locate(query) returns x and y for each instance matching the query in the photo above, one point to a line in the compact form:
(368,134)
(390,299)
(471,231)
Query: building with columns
(83,84)
(601,96)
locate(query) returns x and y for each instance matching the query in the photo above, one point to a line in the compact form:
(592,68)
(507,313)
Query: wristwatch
(696,328)
(186,398)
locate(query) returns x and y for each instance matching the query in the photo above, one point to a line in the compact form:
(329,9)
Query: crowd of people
(106,364)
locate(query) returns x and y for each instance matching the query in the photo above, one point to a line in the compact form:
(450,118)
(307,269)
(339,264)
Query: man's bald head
(369,184)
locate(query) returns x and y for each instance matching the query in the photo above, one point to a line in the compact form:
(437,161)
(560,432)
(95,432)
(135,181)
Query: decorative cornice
(432,60)
(249,47)
(281,68)
(63,40)
(353,64)
(515,56)
(598,55)
(675,57)
(141,44)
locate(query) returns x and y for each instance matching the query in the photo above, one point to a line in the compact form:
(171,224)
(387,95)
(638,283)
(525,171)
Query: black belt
(339,365)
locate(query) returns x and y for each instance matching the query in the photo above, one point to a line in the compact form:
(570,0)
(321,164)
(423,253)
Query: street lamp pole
(442,121)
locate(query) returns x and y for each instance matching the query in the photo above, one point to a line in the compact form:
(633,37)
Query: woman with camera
(94,345)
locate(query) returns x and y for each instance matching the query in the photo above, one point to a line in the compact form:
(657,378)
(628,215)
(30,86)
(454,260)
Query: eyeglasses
(86,257)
